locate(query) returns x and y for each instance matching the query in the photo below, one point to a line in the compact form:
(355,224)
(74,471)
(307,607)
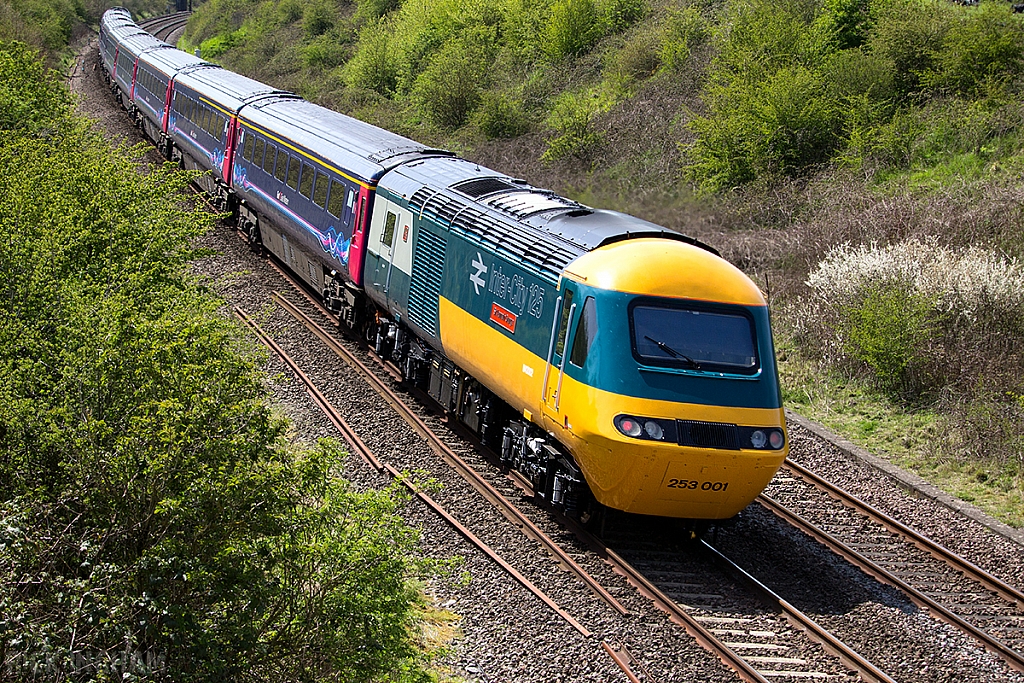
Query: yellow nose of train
(669,400)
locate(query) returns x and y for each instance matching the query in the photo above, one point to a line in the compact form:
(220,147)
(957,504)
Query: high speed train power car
(610,359)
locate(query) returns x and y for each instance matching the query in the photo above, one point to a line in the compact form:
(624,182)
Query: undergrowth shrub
(370,10)
(636,60)
(317,19)
(618,15)
(571,118)
(501,116)
(449,88)
(572,29)
(373,66)
(782,125)
(978,47)
(683,31)
(922,318)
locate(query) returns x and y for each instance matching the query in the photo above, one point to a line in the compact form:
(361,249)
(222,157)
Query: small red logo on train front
(503,317)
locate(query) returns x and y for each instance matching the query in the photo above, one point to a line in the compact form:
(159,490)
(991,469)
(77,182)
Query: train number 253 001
(694,484)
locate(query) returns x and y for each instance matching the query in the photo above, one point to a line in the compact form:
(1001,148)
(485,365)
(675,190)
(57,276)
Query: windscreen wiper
(672,352)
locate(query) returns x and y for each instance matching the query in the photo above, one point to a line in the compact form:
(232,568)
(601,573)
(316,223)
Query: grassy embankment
(777,131)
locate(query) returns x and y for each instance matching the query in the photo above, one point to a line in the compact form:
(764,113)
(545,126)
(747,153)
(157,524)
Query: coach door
(563,320)
(390,238)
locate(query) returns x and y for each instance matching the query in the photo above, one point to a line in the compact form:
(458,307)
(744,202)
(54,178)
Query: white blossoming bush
(914,311)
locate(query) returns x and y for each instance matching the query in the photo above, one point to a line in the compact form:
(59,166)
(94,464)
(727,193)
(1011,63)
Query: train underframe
(555,477)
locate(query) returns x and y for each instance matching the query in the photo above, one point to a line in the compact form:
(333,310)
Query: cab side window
(586,330)
(563,324)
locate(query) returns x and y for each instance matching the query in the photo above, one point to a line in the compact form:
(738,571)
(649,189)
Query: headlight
(758,439)
(647,428)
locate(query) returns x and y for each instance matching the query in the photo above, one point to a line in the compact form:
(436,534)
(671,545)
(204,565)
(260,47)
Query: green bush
(918,315)
(324,53)
(572,28)
(844,22)
(980,47)
(781,126)
(155,524)
(571,117)
(317,19)
(501,116)
(373,65)
(683,31)
(449,88)
(618,15)
(888,331)
(371,10)
(908,35)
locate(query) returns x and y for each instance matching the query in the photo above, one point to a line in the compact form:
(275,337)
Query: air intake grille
(708,434)
(478,187)
(425,288)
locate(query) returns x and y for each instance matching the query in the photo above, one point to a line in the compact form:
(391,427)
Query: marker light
(629,426)
(776,439)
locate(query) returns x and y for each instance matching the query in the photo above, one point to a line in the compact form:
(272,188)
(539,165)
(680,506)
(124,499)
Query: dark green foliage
(317,19)
(154,524)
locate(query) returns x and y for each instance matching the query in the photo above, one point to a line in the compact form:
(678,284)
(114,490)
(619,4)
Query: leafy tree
(154,524)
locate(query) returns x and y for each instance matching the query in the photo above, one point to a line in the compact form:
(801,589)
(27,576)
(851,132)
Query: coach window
(281,172)
(337,202)
(306,181)
(268,161)
(258,154)
(293,173)
(320,190)
(586,329)
(247,149)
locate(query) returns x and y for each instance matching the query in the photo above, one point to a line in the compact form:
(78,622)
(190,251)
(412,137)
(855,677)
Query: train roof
(136,41)
(116,16)
(170,62)
(363,149)
(535,225)
(227,89)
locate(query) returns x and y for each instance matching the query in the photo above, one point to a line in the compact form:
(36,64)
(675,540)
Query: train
(614,363)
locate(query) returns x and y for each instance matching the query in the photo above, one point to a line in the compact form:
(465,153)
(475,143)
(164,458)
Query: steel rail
(492,495)
(368,456)
(1013,658)
(622,658)
(816,632)
(969,569)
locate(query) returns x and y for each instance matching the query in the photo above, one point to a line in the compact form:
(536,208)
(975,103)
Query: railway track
(755,626)
(752,630)
(165,27)
(933,577)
